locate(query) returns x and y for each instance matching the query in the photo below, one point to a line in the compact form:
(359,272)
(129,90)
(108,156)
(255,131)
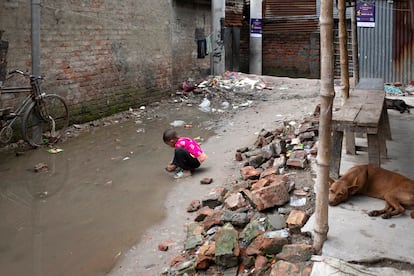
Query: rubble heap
(229,91)
(252,226)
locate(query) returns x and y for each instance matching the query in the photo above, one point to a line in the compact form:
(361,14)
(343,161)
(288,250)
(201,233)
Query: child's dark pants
(184,160)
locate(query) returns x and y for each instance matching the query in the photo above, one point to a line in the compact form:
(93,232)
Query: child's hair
(169,134)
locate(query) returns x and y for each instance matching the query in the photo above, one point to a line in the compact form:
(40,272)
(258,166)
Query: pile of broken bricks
(252,225)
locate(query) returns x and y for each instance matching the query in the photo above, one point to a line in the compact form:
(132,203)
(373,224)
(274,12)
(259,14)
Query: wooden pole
(325,124)
(343,48)
(355,59)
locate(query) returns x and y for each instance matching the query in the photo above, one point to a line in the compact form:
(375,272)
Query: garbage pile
(398,89)
(219,93)
(252,226)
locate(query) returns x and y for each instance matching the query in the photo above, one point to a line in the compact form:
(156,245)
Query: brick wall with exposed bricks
(292,54)
(107,56)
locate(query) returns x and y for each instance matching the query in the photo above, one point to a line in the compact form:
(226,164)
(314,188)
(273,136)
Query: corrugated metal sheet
(285,8)
(289,25)
(386,51)
(403,42)
(290,16)
(234,13)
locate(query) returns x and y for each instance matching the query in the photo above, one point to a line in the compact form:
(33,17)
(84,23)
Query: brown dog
(372,181)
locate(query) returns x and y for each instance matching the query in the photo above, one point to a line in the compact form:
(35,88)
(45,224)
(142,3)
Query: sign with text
(256,27)
(365,14)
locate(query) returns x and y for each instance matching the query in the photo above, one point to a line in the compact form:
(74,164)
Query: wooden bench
(364,112)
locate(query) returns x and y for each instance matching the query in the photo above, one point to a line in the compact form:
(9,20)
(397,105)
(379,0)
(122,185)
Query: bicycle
(44,117)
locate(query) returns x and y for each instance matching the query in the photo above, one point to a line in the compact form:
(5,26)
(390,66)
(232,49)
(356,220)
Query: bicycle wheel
(38,130)
(6,134)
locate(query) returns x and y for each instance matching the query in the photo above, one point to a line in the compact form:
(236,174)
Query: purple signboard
(365,14)
(256,27)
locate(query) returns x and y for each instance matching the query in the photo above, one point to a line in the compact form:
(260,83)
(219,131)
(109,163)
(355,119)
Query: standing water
(95,199)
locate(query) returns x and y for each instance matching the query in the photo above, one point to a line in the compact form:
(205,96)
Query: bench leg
(384,123)
(374,149)
(382,141)
(350,142)
(336,153)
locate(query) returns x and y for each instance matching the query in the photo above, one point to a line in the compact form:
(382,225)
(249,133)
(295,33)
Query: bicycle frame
(44,116)
(34,96)
(20,109)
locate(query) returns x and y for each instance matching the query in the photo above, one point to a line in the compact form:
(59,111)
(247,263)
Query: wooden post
(355,60)
(343,48)
(325,124)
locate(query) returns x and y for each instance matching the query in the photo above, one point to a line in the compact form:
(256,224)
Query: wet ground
(100,195)
(95,198)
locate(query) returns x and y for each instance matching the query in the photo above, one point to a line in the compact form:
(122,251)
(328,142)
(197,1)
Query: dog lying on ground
(397,104)
(396,189)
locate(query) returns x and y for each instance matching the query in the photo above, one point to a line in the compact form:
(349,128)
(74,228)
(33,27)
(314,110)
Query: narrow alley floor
(98,198)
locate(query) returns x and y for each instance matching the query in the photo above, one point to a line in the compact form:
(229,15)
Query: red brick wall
(107,56)
(291,54)
(284,54)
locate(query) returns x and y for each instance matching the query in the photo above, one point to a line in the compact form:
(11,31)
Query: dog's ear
(358,182)
(331,181)
(353,189)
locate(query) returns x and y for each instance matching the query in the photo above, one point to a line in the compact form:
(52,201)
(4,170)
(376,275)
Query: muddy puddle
(95,199)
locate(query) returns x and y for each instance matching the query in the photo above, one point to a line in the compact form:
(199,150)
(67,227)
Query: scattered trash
(177,123)
(410,87)
(298,192)
(225,105)
(117,255)
(246,104)
(54,150)
(188,86)
(282,233)
(393,90)
(126,158)
(77,126)
(205,105)
(297,201)
(41,167)
(42,195)
(262,224)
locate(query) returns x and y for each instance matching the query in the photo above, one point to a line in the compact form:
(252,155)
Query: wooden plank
(347,112)
(371,110)
(368,118)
